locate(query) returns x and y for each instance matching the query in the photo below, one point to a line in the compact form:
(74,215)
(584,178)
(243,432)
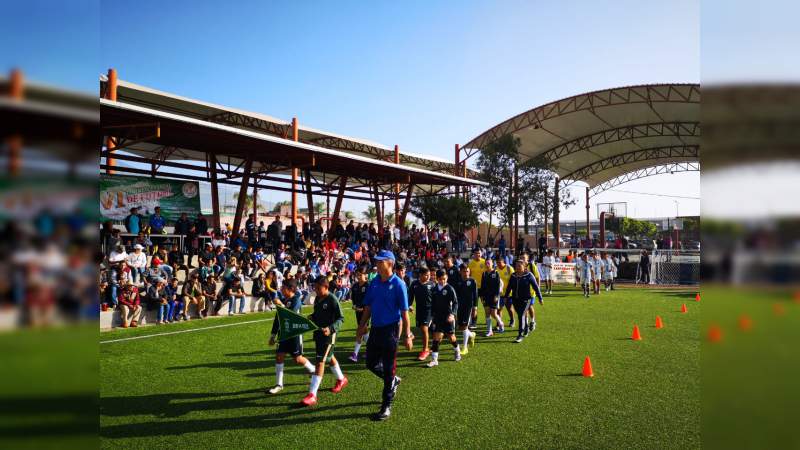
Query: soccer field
(205,388)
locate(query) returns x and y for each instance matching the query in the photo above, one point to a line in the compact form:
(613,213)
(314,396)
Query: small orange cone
(636,336)
(745,322)
(714,333)
(683,308)
(697,297)
(587,368)
(778,309)
(659,323)
(797,297)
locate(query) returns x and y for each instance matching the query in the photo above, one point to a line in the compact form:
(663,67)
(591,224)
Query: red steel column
(240,201)
(337,209)
(588,224)
(295,174)
(406,204)
(111,94)
(457,170)
(14,142)
(397,189)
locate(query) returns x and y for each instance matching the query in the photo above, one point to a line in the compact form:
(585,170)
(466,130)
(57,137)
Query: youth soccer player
(505,271)
(490,296)
(476,266)
(609,268)
(467,294)
(597,268)
(547,271)
(289,298)
(444,307)
(421,290)
(585,272)
(519,289)
(328,317)
(358,294)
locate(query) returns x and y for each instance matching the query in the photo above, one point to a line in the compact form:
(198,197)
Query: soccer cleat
(472,339)
(353,357)
(458,356)
(396,384)
(383,414)
(518,339)
(489,334)
(423,355)
(309,400)
(511,323)
(464,351)
(340,384)
(275,389)
(501,330)
(432,363)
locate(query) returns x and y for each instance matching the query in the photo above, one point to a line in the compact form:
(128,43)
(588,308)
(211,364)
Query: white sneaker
(277,388)
(458,356)
(432,363)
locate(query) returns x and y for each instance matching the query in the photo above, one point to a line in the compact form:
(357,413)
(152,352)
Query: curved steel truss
(646,172)
(674,153)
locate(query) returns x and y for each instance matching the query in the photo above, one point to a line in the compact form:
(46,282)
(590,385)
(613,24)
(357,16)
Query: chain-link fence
(665,267)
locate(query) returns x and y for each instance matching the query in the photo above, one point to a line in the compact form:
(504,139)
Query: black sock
(435,346)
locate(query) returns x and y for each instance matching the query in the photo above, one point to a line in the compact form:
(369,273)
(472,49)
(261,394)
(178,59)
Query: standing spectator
(138,263)
(130,306)
(250,229)
(157,222)
(644,266)
(192,246)
(133,222)
(201,225)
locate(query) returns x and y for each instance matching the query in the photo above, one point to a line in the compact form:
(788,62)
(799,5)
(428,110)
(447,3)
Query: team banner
(563,273)
(291,324)
(118,194)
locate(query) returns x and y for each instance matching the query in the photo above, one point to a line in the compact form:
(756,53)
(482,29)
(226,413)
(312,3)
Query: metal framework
(672,153)
(624,133)
(647,94)
(646,172)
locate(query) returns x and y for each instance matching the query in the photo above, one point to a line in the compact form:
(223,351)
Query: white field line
(185,331)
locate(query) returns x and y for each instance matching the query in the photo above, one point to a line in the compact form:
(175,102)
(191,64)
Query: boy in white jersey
(597,271)
(585,272)
(609,270)
(547,271)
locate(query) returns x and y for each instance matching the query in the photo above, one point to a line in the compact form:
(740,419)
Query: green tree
(349,215)
(277,207)
(370,214)
(453,213)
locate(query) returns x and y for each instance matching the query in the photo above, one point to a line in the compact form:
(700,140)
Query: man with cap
(138,263)
(385,304)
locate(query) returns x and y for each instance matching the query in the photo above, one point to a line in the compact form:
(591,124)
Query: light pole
(677,214)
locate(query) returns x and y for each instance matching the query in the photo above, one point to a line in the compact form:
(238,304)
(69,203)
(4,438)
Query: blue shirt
(387,300)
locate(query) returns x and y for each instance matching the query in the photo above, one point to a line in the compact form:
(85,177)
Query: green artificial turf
(205,389)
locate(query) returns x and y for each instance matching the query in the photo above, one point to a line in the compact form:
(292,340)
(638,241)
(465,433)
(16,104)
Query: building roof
(602,135)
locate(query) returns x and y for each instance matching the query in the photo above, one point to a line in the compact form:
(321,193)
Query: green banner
(118,194)
(291,324)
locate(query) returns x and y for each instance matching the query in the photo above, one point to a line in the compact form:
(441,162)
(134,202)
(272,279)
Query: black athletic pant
(522,319)
(382,357)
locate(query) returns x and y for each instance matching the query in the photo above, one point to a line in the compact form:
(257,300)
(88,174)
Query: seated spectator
(193,294)
(130,306)
(220,260)
(235,292)
(156,297)
(174,299)
(205,270)
(259,291)
(137,261)
(166,303)
(176,259)
(211,295)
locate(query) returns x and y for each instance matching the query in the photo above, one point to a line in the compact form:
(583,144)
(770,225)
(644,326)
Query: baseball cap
(138,247)
(384,254)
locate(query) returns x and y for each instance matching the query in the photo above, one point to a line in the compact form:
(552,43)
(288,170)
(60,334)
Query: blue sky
(424,75)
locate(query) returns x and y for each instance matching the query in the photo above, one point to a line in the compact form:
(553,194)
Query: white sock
(337,372)
(489,323)
(309,367)
(365,338)
(316,380)
(466,338)
(279,374)
(358,347)
(457,349)
(435,356)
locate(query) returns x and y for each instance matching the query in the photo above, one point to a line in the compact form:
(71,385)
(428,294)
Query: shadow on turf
(153,405)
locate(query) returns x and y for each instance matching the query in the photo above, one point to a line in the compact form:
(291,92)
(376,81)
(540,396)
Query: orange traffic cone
(745,322)
(636,336)
(797,297)
(714,333)
(683,308)
(587,368)
(659,323)
(697,297)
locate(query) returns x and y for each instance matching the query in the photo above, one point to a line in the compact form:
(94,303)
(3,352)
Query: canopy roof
(602,135)
(162,129)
